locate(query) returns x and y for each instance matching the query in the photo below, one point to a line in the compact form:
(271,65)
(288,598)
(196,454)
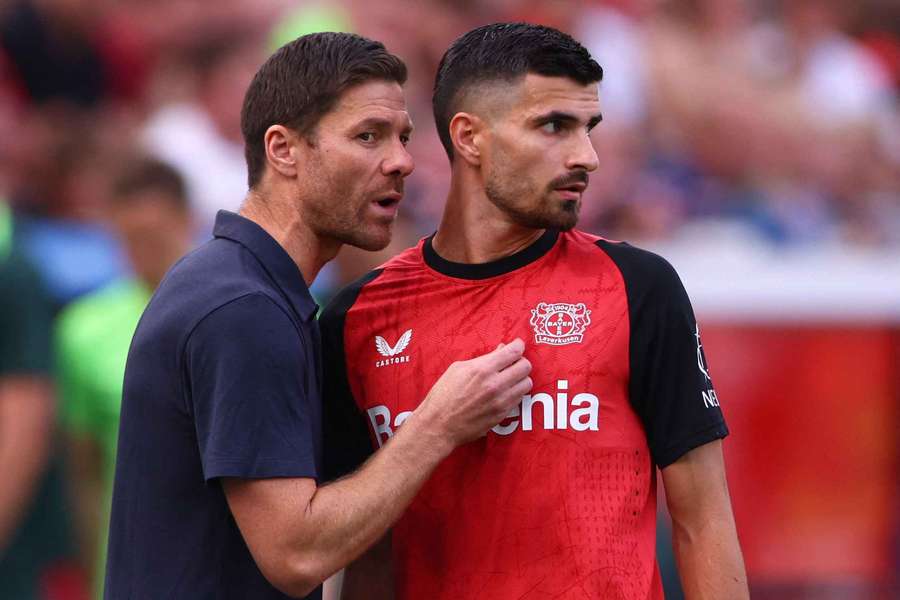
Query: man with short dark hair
(559,499)
(219,454)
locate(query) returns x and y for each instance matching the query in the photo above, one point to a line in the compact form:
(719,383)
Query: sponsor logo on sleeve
(709,395)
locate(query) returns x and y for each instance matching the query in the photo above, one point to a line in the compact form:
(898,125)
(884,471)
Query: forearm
(703,529)
(354,512)
(26,414)
(709,558)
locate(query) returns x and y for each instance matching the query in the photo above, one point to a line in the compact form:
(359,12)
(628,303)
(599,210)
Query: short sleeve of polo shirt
(248,393)
(669,385)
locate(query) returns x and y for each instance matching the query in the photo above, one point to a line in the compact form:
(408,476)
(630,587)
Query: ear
(467,134)
(281,150)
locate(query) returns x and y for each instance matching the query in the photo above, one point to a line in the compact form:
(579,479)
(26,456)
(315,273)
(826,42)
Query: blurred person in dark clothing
(55,51)
(149,214)
(26,422)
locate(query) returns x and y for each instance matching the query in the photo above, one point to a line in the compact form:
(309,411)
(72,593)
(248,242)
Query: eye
(367,136)
(554,126)
(404,139)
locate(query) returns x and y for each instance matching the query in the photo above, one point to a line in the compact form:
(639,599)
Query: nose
(398,162)
(583,156)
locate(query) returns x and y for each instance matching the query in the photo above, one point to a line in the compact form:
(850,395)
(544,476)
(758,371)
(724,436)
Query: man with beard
(559,499)
(219,454)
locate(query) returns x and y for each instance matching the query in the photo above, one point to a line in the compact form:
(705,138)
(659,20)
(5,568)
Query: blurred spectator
(53,48)
(150,215)
(201,137)
(32,539)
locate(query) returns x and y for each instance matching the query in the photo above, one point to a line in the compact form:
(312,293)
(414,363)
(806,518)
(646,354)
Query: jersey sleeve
(670,386)
(346,440)
(247,386)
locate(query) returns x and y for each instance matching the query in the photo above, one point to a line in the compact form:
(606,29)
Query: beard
(348,224)
(346,219)
(525,206)
(339,210)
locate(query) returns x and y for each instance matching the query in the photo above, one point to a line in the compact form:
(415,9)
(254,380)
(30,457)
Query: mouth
(571,192)
(575,188)
(387,204)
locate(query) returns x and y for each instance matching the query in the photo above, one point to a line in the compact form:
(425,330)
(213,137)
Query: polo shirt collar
(273,257)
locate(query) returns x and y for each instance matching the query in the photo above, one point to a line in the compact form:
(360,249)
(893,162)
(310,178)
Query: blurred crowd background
(758,130)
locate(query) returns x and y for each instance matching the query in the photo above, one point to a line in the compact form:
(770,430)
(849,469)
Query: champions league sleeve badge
(560,323)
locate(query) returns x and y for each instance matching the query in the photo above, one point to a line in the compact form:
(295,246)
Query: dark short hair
(303,80)
(143,174)
(505,52)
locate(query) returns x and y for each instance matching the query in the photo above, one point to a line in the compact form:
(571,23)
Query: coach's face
(536,152)
(355,163)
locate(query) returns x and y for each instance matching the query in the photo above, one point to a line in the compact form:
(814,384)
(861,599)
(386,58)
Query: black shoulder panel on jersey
(345,436)
(669,387)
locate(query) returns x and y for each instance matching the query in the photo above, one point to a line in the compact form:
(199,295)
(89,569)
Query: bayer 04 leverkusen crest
(560,323)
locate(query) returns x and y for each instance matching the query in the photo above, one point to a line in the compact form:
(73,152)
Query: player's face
(356,165)
(538,153)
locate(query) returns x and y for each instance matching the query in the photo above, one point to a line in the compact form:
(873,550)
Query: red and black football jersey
(559,499)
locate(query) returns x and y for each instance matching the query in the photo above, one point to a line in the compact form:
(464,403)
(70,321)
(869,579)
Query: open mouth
(387,202)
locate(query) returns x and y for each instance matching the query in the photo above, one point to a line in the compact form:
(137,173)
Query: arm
(26,417)
(299,533)
(704,535)
(26,392)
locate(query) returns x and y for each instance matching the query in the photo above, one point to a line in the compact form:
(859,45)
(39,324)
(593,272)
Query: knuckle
(491,387)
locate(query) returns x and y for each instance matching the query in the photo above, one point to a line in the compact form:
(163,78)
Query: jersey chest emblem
(393,354)
(560,323)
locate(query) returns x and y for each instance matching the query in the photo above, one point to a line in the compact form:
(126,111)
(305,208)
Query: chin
(372,240)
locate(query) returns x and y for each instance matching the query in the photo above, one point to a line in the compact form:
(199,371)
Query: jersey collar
(501,266)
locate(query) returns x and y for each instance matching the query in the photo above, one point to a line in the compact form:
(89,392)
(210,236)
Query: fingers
(503,356)
(516,371)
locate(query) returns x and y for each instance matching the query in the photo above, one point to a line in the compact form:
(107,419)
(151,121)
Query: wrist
(427,438)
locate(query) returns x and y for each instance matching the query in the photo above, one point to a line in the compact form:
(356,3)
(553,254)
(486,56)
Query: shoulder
(219,274)
(253,314)
(19,274)
(642,270)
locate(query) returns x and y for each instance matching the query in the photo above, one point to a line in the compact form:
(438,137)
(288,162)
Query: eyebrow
(557,115)
(382,123)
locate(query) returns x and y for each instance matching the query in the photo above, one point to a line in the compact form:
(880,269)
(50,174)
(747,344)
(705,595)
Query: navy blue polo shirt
(223,380)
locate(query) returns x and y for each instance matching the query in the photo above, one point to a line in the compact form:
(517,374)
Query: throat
(474,245)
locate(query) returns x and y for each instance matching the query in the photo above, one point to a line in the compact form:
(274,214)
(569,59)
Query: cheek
(343,172)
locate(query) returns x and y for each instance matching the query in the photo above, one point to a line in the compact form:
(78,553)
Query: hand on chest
(576,342)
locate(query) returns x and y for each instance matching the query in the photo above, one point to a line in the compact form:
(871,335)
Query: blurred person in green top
(149,212)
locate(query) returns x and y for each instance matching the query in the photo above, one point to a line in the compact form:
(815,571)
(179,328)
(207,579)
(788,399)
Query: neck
(308,251)
(474,230)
